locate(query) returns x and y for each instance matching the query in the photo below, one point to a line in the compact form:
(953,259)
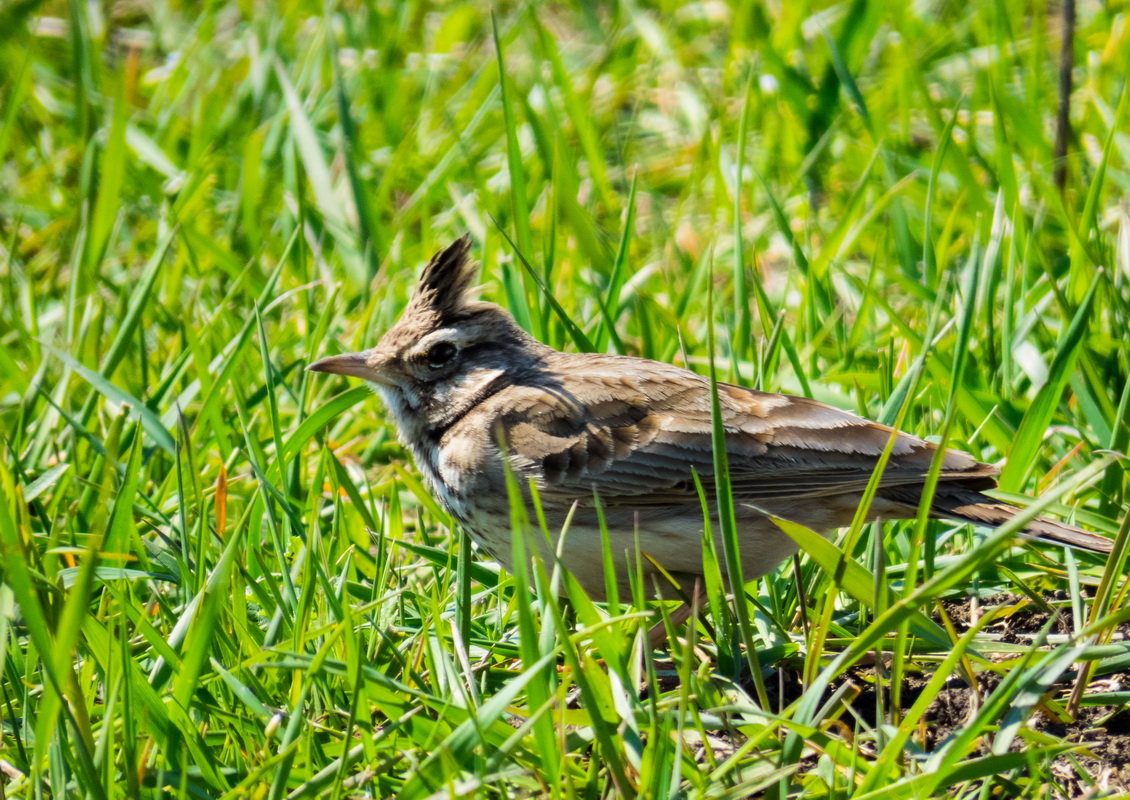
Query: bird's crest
(445,281)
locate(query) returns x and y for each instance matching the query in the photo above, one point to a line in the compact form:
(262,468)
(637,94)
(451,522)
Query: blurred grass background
(222,577)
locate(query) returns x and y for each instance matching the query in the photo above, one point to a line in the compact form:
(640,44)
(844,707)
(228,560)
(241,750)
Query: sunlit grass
(223,577)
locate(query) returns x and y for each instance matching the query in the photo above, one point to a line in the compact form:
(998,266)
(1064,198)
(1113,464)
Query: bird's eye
(440,354)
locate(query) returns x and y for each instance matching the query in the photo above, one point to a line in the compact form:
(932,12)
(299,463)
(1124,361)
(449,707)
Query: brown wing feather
(637,436)
(642,428)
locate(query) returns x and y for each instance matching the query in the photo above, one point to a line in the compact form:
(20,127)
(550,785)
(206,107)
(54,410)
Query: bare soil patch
(1102,731)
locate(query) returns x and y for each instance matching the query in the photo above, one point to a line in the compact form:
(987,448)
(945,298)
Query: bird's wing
(634,435)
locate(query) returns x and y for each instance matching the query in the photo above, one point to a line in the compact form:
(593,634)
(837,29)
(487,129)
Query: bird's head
(445,354)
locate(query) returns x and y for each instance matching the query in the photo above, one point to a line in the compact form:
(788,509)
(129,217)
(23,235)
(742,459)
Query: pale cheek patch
(461,386)
(481,378)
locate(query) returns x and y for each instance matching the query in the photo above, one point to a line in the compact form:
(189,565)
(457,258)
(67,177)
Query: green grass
(222,576)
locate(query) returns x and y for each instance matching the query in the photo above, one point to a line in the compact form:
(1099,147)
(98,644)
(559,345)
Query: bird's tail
(967,504)
(972,506)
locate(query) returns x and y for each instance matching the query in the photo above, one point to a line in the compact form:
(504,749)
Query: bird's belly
(469,479)
(650,541)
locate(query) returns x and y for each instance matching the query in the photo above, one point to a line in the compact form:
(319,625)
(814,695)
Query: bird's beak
(355,364)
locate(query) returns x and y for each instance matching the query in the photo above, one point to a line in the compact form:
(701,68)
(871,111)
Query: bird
(626,443)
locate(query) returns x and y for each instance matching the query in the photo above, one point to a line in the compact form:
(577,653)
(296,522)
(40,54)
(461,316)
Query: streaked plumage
(472,394)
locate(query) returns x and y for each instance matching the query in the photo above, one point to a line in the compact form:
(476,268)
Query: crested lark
(473,395)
